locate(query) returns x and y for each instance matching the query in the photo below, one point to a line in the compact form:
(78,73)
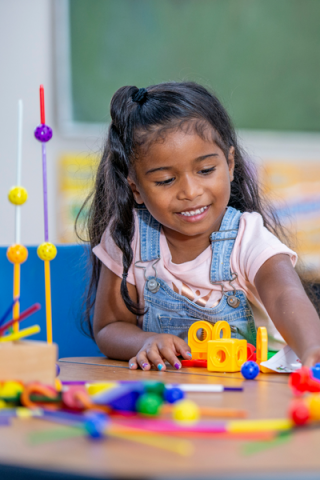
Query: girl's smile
(195,214)
(184,182)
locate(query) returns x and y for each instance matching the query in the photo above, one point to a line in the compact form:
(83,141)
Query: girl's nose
(189,188)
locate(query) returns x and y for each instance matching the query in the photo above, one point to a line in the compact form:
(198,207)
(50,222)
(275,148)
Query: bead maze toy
(28,360)
(46,251)
(17,253)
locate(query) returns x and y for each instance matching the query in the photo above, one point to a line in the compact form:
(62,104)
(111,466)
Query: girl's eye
(165,182)
(206,171)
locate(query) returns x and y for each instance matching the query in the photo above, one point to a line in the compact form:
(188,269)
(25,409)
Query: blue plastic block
(316,371)
(123,397)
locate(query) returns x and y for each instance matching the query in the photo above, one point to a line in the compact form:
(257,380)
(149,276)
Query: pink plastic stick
(170,427)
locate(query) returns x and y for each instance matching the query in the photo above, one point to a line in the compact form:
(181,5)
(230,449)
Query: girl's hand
(311,357)
(157,349)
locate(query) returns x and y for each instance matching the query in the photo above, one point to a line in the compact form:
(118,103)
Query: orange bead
(17,253)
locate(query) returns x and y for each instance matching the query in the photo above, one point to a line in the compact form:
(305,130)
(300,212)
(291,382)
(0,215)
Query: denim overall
(170,312)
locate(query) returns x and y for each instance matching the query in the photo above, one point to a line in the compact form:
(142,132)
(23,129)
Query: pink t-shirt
(253,246)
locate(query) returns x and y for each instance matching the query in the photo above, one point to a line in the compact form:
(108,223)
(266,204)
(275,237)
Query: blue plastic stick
(8,312)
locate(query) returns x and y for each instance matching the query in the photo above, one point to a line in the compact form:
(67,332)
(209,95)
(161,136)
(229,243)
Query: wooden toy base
(28,361)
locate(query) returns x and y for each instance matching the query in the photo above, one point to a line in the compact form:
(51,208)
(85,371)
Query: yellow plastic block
(199,335)
(262,349)
(226,355)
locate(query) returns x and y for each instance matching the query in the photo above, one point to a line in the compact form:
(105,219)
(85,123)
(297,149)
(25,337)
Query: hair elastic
(140,96)
(124,275)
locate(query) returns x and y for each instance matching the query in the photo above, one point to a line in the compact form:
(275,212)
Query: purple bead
(43,133)
(57,370)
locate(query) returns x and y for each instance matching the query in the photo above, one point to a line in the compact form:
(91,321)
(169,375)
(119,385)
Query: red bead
(299,412)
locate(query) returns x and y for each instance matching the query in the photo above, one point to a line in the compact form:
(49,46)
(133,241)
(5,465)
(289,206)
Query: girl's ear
(135,190)
(231,163)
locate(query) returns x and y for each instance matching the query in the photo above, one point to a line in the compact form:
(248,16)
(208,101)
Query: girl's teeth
(194,212)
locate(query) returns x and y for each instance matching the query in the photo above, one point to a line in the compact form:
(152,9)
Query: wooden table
(295,456)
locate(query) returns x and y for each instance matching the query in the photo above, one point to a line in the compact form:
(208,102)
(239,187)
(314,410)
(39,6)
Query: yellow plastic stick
(182,447)
(23,333)
(259,425)
(16,294)
(48,299)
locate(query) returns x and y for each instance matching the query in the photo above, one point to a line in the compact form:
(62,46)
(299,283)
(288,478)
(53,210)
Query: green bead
(149,404)
(155,387)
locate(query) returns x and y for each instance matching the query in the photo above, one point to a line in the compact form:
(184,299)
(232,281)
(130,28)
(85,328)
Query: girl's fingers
(155,358)
(133,364)
(169,355)
(183,349)
(143,361)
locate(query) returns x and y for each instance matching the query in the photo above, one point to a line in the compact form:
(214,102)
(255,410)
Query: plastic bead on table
(250,370)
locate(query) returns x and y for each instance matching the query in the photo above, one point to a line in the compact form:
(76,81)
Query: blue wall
(69,277)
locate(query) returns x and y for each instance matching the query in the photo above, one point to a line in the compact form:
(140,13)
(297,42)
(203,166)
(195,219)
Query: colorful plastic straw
(46,251)
(7,312)
(27,332)
(34,308)
(17,253)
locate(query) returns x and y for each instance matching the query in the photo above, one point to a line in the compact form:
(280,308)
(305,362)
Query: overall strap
(222,243)
(149,229)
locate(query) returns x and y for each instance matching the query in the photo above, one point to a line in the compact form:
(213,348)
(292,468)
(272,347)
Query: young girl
(180,234)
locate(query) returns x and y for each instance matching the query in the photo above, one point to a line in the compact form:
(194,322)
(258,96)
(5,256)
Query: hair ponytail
(122,223)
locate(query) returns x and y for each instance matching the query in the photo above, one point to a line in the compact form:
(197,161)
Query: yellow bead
(10,389)
(313,402)
(186,411)
(18,195)
(3,404)
(47,251)
(17,253)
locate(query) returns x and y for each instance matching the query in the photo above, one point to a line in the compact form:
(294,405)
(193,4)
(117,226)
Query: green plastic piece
(155,387)
(271,353)
(149,404)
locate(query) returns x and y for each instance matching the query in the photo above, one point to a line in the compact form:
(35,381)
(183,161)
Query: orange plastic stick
(47,283)
(16,294)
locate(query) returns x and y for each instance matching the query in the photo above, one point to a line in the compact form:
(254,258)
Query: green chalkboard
(261,57)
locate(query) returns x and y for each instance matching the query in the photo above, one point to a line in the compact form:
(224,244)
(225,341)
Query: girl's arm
(290,309)
(117,334)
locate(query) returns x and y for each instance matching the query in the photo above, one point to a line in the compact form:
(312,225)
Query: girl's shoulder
(255,244)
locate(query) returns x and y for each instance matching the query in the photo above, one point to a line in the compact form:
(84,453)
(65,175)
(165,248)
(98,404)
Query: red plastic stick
(42,112)
(23,315)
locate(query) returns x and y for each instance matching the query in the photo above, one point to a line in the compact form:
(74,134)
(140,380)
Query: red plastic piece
(76,398)
(302,381)
(42,111)
(251,352)
(299,412)
(194,363)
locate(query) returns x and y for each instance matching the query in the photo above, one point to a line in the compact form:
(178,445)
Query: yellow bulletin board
(294,188)
(76,180)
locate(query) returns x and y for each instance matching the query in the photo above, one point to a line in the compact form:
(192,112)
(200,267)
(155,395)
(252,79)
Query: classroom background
(260,58)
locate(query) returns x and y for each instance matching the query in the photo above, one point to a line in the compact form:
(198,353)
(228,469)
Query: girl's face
(184,181)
